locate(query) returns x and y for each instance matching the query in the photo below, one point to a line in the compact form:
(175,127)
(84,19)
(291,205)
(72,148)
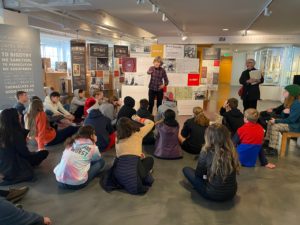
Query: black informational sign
(121,51)
(20,63)
(99,50)
(78,58)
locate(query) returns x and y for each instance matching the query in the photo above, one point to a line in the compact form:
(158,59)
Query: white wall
(238,66)
(13,18)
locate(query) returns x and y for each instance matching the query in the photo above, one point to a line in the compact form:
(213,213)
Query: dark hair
(80,91)
(54,94)
(84,132)
(233,103)
(144,103)
(125,128)
(35,98)
(225,160)
(19,93)
(170,118)
(9,126)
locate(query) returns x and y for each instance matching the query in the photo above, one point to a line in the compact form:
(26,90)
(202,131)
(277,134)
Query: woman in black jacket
(16,161)
(251,92)
(215,175)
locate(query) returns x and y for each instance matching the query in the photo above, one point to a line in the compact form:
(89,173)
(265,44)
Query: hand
(287,111)
(269,110)
(47,221)
(135,118)
(251,80)
(70,117)
(225,104)
(161,86)
(272,121)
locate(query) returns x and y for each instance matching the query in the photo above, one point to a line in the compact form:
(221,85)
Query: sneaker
(16,194)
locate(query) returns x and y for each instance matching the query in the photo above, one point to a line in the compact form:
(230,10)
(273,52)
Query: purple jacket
(167,145)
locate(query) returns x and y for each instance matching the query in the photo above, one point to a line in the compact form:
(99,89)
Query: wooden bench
(285,141)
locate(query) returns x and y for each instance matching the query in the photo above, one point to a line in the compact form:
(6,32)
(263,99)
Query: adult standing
(158,81)
(251,92)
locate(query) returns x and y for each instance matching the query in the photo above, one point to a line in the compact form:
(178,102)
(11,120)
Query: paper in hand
(255,74)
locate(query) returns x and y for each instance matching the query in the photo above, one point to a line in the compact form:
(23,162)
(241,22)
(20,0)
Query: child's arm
(185,132)
(148,125)
(236,139)
(96,155)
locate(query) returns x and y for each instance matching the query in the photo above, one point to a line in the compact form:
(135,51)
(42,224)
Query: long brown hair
(225,161)
(35,107)
(125,128)
(289,101)
(85,132)
(199,117)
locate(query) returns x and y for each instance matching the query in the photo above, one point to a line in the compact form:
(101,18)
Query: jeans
(95,170)
(198,183)
(159,97)
(62,135)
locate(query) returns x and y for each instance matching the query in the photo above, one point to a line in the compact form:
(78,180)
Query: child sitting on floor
(192,134)
(81,161)
(167,144)
(144,113)
(249,139)
(131,169)
(232,116)
(215,175)
(127,110)
(77,104)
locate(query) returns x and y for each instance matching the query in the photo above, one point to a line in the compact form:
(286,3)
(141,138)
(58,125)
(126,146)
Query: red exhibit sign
(193,79)
(217,63)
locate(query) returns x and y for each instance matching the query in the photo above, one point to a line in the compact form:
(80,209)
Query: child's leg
(144,168)
(95,169)
(274,133)
(264,161)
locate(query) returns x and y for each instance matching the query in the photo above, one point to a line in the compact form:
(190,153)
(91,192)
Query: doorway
(225,70)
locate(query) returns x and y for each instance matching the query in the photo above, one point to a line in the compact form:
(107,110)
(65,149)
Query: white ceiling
(195,17)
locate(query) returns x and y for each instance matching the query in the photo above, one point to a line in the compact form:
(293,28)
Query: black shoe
(16,194)
(270,151)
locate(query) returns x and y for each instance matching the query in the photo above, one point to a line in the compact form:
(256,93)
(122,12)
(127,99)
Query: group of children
(96,124)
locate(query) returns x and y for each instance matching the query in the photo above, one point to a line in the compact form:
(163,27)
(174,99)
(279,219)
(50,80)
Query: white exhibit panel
(136,92)
(185,107)
(273,93)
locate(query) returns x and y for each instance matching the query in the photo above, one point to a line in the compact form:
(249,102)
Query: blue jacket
(11,215)
(102,125)
(293,120)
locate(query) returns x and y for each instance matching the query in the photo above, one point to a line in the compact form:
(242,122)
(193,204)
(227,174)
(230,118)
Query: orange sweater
(44,133)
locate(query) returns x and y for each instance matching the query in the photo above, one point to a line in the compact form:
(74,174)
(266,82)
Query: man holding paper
(251,78)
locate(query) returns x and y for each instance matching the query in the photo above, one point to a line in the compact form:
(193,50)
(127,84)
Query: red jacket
(88,104)
(44,133)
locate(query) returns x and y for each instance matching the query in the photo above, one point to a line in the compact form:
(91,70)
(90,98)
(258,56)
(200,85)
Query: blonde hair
(225,160)
(251,115)
(199,117)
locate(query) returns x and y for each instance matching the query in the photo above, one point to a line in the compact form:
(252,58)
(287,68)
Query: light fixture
(225,29)
(183,37)
(164,18)
(140,2)
(104,28)
(267,12)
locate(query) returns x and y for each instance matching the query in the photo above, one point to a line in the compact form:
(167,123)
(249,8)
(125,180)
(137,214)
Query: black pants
(35,158)
(159,97)
(79,112)
(249,104)
(145,167)
(62,135)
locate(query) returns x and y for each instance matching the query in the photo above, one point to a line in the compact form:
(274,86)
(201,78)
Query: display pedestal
(273,93)
(185,107)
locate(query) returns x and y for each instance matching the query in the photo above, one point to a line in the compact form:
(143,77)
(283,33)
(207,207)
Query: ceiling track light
(138,2)
(164,17)
(183,37)
(267,12)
